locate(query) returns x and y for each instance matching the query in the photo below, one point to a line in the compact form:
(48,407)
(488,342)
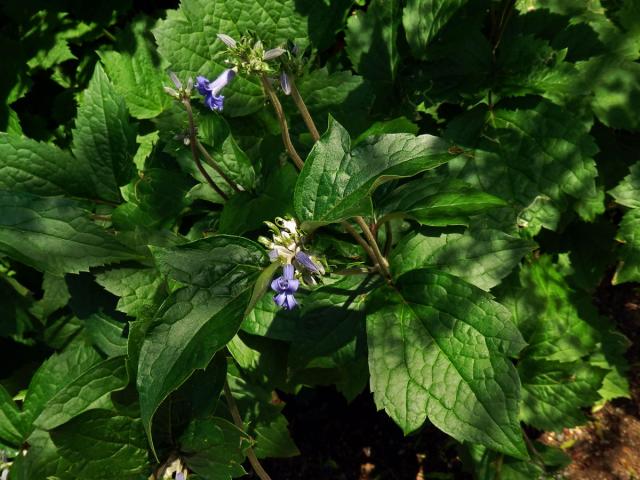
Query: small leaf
(12,429)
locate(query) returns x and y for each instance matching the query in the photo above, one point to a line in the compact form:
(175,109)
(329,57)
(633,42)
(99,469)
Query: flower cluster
(285,246)
(249,56)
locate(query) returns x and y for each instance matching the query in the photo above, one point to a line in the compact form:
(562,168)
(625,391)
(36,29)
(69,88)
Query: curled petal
(202,85)
(292,285)
(227,40)
(214,102)
(273,53)
(290,302)
(280,299)
(223,79)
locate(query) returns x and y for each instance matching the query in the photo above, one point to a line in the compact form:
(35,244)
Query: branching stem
(380,260)
(194,151)
(237,419)
(213,164)
(277,106)
(304,111)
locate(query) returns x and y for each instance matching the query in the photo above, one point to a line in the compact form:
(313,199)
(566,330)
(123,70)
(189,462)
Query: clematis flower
(307,262)
(285,286)
(211,90)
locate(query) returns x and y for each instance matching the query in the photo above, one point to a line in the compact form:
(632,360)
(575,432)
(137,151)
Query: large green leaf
(553,393)
(88,391)
(629,235)
(537,159)
(139,289)
(437,201)
(40,168)
(215,448)
(336,181)
(55,234)
(187,39)
(423,19)
(438,349)
(102,445)
(103,138)
(54,375)
(137,75)
(371,39)
(482,257)
(627,192)
(196,321)
(558,323)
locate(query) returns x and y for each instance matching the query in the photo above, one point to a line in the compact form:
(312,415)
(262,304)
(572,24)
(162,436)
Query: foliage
(392,172)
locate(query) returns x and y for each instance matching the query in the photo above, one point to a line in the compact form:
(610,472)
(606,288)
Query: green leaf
(629,234)
(88,391)
(12,429)
(482,257)
(205,262)
(269,320)
(438,349)
(531,157)
(371,39)
(103,137)
(214,448)
(55,235)
(553,393)
(627,192)
(40,168)
(617,95)
(423,19)
(196,321)
(187,39)
(53,376)
(557,323)
(107,334)
(438,201)
(140,289)
(137,75)
(336,181)
(56,295)
(102,445)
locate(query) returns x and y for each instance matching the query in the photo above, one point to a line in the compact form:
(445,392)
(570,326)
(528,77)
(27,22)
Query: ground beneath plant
(341,441)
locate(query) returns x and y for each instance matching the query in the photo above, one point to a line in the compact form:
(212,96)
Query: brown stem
(352,231)
(194,151)
(277,106)
(213,164)
(388,241)
(302,107)
(237,419)
(380,260)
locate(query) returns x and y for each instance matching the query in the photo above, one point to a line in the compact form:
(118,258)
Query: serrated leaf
(617,95)
(553,393)
(40,168)
(58,371)
(137,75)
(438,349)
(482,257)
(336,181)
(107,334)
(531,155)
(629,235)
(103,137)
(438,201)
(198,320)
(88,391)
(423,19)
(627,192)
(55,235)
(557,323)
(56,295)
(101,445)
(187,39)
(12,429)
(371,39)
(139,289)
(215,448)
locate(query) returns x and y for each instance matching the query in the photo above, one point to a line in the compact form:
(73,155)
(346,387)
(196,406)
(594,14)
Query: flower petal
(290,302)
(227,40)
(280,299)
(284,83)
(288,271)
(306,262)
(202,85)
(292,285)
(273,53)
(223,79)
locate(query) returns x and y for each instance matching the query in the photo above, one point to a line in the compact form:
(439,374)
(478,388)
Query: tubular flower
(285,286)
(211,90)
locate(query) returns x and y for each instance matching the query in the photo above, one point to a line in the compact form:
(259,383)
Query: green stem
(277,106)
(304,111)
(380,260)
(194,151)
(237,419)
(352,231)
(213,164)
(388,241)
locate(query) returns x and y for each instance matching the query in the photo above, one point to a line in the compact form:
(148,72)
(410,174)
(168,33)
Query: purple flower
(285,84)
(179,476)
(285,286)
(305,260)
(211,90)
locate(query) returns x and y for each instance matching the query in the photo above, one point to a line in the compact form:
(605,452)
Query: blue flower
(306,261)
(285,286)
(211,90)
